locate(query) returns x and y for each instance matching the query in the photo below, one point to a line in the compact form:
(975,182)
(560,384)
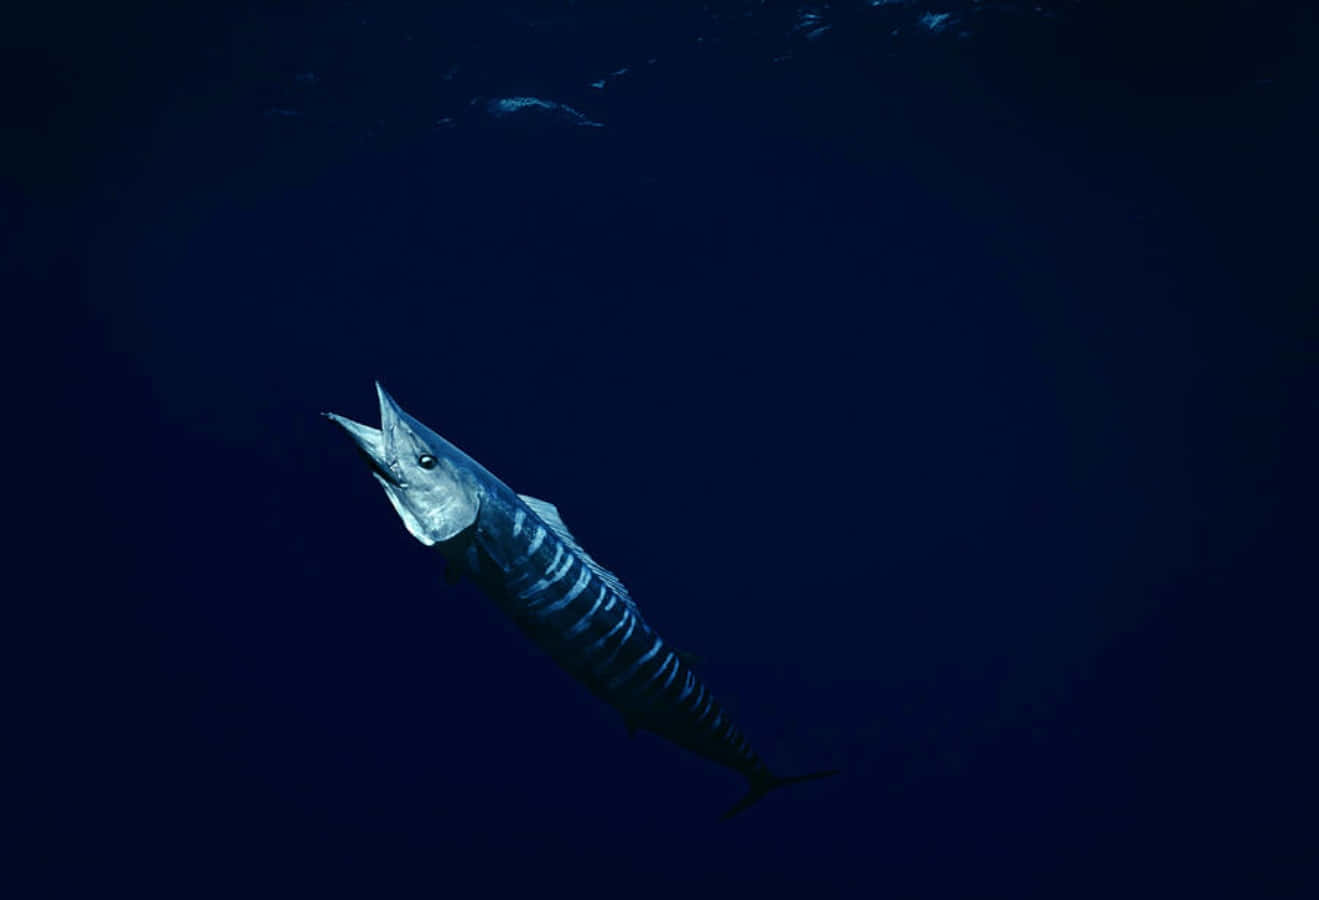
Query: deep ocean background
(934,380)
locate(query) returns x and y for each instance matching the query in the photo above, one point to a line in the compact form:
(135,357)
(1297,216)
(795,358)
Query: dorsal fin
(550,516)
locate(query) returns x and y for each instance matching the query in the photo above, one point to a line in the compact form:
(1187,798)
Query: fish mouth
(370,446)
(374,443)
(382,470)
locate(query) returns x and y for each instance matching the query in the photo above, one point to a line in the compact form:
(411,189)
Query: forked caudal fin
(760,785)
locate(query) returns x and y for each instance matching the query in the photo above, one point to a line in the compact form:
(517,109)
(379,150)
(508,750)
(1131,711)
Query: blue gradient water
(943,371)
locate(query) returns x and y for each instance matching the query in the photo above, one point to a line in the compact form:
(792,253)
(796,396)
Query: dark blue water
(931,385)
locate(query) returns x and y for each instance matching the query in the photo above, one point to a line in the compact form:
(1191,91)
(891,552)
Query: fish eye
(426,461)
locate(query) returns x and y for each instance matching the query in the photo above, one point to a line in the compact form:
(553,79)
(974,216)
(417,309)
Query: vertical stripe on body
(688,684)
(676,665)
(627,674)
(514,567)
(631,625)
(553,576)
(531,572)
(581,624)
(664,664)
(708,703)
(573,593)
(608,643)
(598,643)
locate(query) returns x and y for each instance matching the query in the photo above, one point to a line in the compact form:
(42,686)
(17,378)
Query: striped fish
(517,549)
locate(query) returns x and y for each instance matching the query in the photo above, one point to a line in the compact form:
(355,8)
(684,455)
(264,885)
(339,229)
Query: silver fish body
(517,549)
(584,619)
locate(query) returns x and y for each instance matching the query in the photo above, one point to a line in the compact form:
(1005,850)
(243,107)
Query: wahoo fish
(518,551)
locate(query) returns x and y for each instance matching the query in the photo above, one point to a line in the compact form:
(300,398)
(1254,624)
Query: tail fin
(761,784)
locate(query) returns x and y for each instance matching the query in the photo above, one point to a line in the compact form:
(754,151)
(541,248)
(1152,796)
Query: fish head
(431,484)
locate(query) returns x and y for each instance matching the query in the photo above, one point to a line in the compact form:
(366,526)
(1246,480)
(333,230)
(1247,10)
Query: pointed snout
(367,438)
(391,416)
(377,444)
(373,441)
(370,442)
